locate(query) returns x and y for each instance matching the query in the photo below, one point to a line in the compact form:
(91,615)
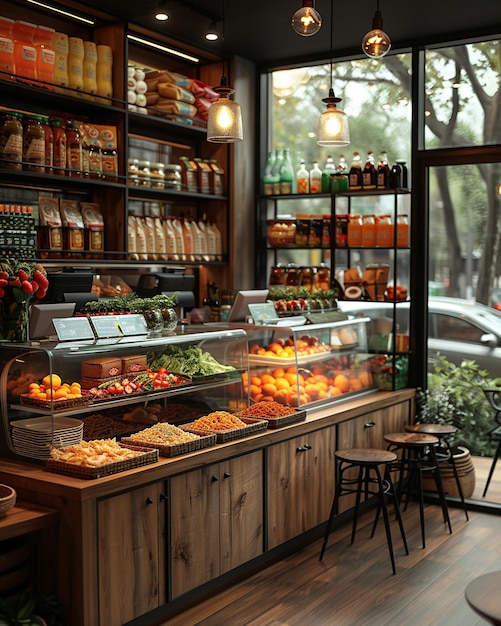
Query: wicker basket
(7,498)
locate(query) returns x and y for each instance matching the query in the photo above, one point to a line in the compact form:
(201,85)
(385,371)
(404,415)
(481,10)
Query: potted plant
(455,395)
(25,609)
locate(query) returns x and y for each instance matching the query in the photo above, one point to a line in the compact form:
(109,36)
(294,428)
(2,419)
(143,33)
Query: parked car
(457,329)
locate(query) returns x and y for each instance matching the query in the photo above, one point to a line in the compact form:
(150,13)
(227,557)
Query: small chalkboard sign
(73,328)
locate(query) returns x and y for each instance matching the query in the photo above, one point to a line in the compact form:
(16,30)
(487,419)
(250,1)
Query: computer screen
(240,309)
(41,316)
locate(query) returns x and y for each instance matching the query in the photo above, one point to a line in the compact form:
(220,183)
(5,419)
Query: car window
(454,328)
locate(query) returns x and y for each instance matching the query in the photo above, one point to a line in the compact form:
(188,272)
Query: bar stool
(369,480)
(414,449)
(494,397)
(482,594)
(444,433)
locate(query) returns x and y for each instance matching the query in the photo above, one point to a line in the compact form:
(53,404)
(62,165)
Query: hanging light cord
(332,44)
(224,38)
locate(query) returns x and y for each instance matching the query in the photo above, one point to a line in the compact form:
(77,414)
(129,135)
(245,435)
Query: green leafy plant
(26,609)
(455,395)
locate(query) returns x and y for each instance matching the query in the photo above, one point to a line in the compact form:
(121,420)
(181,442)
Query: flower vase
(154,321)
(170,320)
(14,321)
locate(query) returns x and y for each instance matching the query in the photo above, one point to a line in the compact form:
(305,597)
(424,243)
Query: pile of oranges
(293,387)
(53,388)
(306,345)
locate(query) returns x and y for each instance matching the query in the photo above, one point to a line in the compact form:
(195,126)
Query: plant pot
(466,473)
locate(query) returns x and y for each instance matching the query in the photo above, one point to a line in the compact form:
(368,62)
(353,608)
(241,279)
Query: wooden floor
(354,584)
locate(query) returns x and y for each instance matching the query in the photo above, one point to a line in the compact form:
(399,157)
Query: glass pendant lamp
(376,43)
(306,21)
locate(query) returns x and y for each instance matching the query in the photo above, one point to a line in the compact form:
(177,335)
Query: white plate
(47,424)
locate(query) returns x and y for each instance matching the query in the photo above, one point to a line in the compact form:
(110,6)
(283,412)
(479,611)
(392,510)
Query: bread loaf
(102,367)
(133,364)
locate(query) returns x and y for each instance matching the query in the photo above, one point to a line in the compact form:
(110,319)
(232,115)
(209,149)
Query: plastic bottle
(104,73)
(197,240)
(369,174)
(315,179)
(46,57)
(329,169)
(268,177)
(275,171)
(90,70)
(383,171)
(303,179)
(286,174)
(355,176)
(7,63)
(25,54)
(61,49)
(59,156)
(342,174)
(75,63)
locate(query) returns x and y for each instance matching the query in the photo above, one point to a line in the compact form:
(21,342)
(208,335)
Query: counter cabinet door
(300,484)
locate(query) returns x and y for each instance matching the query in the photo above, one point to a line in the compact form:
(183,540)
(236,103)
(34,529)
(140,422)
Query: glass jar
(173,176)
(355,231)
(292,277)
(11,140)
(307,278)
(402,230)
(368,231)
(323,278)
(34,146)
(341,230)
(133,172)
(157,174)
(144,174)
(277,277)
(385,235)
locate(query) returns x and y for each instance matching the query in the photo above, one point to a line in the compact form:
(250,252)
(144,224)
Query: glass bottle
(11,140)
(315,178)
(323,277)
(59,156)
(277,277)
(275,171)
(396,176)
(355,175)
(369,175)
(73,149)
(303,179)
(268,177)
(307,277)
(292,277)
(383,171)
(286,174)
(49,145)
(329,169)
(354,231)
(403,167)
(342,173)
(34,145)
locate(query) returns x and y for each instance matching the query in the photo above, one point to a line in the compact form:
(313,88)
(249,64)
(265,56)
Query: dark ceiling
(261,30)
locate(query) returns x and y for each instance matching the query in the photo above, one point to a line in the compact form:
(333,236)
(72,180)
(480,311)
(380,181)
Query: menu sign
(73,328)
(118,325)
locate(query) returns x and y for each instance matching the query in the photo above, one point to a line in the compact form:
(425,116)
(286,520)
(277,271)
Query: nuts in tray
(268,408)
(218,420)
(94,453)
(163,434)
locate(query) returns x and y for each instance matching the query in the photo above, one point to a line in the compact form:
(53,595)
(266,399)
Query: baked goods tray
(283,420)
(147,457)
(251,427)
(204,441)
(56,405)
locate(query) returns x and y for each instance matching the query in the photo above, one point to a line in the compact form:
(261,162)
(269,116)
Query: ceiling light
(376,42)
(73,16)
(158,46)
(212,34)
(224,124)
(306,21)
(161,15)
(333,129)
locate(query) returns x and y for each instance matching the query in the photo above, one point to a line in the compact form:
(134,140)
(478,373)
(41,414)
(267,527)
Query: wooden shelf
(25,518)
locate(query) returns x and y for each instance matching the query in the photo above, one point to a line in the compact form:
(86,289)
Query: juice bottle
(90,69)
(75,63)
(49,145)
(46,57)
(368,231)
(104,69)
(73,149)
(34,145)
(61,49)
(7,45)
(25,54)
(59,159)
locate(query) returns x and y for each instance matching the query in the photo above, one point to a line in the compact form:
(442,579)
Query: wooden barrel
(466,473)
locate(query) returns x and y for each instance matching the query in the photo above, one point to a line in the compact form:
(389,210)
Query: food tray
(204,441)
(56,405)
(283,420)
(222,436)
(150,456)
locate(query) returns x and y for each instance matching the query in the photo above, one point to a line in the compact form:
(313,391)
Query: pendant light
(306,21)
(224,124)
(333,127)
(376,42)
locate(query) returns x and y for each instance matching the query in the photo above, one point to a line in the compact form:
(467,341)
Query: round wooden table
(482,594)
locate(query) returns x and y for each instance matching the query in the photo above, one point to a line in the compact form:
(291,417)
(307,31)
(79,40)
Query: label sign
(133,324)
(106,326)
(73,328)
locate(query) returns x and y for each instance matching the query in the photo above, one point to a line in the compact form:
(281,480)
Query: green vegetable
(192,360)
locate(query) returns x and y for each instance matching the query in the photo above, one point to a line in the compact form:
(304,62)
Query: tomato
(157,382)
(111,389)
(162,370)
(165,383)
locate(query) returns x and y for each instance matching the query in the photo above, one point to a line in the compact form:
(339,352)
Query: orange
(291,378)
(334,391)
(267,399)
(267,378)
(275,347)
(282,396)
(34,386)
(342,383)
(60,393)
(355,384)
(278,372)
(256,381)
(365,378)
(52,380)
(282,383)
(291,369)
(255,391)
(269,389)
(312,391)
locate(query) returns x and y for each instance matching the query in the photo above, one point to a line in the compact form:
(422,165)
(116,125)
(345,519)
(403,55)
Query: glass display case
(310,364)
(54,394)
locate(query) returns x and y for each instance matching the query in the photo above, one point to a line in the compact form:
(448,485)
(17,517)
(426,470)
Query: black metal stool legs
(493,467)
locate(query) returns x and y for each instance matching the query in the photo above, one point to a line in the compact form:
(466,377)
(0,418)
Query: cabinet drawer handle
(149,501)
(226,475)
(369,425)
(163,497)
(303,448)
(307,446)
(213,479)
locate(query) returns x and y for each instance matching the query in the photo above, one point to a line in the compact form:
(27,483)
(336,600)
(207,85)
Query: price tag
(133,324)
(106,326)
(73,328)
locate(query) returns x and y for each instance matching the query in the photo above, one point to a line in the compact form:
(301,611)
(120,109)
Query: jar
(326,232)
(341,230)
(157,173)
(402,230)
(173,177)
(368,231)
(11,140)
(133,172)
(385,235)
(354,231)
(59,156)
(34,146)
(307,278)
(144,173)
(292,277)
(323,278)
(277,276)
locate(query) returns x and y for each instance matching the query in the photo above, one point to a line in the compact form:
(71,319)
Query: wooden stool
(414,447)
(369,481)
(443,432)
(482,594)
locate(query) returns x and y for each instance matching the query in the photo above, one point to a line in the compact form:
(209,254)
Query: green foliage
(22,608)
(455,395)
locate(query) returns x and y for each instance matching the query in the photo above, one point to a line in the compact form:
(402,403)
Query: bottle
(354,231)
(73,149)
(90,70)
(396,176)
(34,145)
(104,72)
(25,54)
(75,63)
(355,175)
(61,49)
(59,155)
(403,167)
(369,174)
(268,178)
(46,57)
(11,140)
(368,231)
(329,169)
(315,178)
(49,145)
(342,173)
(385,232)
(402,230)
(95,159)
(303,179)
(286,174)
(7,63)
(275,171)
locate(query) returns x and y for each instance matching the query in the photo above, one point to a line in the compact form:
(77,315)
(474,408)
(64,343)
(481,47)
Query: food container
(281,232)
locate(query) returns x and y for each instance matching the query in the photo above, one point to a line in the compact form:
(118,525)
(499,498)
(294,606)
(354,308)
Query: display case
(32,421)
(311,364)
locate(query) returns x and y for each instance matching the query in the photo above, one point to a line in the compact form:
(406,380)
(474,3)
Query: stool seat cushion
(439,430)
(366,456)
(411,439)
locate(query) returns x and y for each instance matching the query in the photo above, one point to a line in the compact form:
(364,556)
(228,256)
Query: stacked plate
(33,437)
